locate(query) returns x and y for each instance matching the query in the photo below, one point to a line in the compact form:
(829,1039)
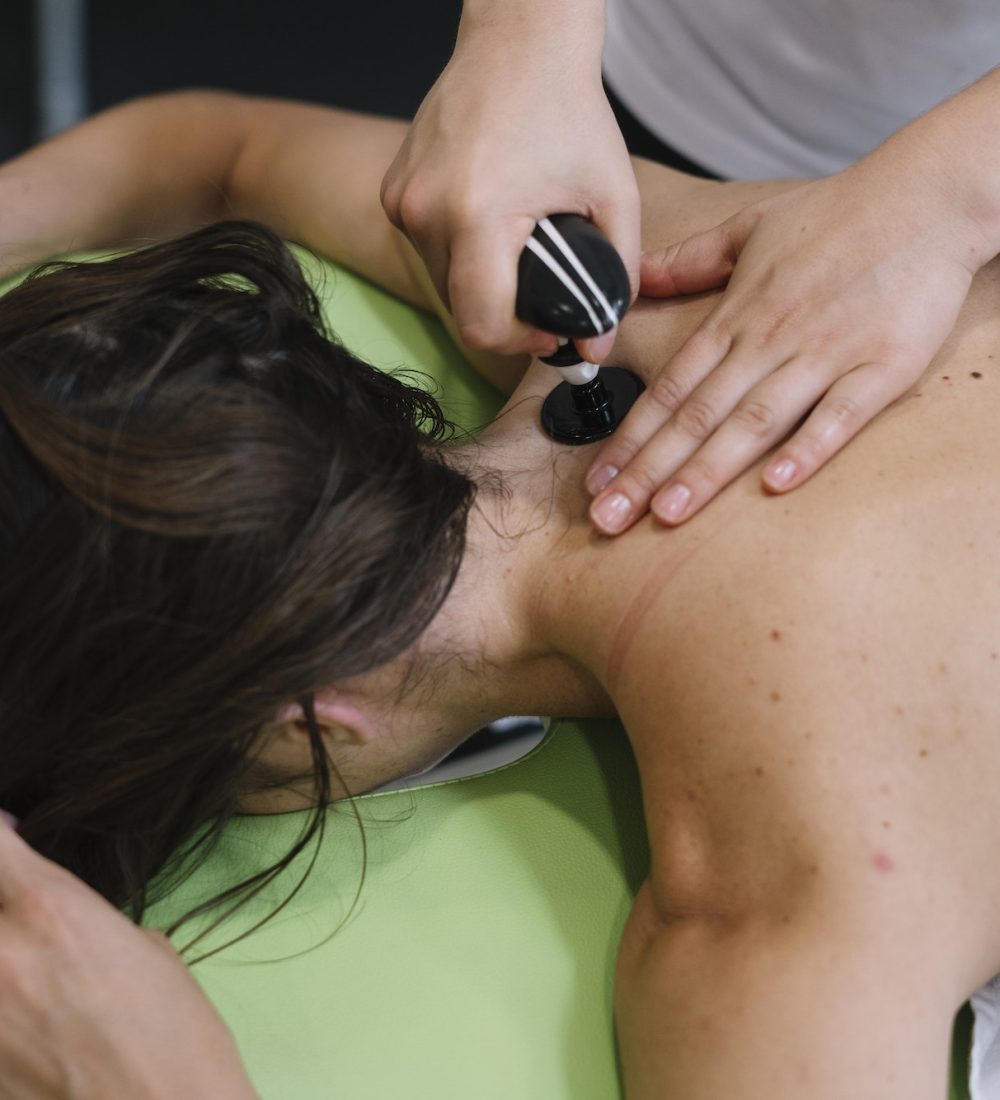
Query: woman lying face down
(242,514)
(209,510)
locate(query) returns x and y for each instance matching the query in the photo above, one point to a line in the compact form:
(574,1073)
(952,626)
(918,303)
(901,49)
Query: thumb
(619,221)
(701,262)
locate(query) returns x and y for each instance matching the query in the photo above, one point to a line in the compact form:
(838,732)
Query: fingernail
(781,473)
(670,505)
(8,819)
(600,477)
(600,346)
(613,512)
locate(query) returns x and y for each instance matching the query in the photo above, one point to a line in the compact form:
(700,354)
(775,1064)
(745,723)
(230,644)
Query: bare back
(811,684)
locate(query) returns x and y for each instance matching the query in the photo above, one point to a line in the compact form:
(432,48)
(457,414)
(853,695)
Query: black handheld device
(571,282)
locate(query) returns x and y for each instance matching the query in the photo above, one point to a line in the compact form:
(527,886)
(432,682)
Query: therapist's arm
(840,293)
(515,128)
(157,167)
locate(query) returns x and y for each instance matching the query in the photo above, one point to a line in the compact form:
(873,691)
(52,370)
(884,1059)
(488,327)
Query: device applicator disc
(584,414)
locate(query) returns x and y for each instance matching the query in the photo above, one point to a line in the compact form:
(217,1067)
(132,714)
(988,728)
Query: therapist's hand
(839,294)
(93,1008)
(517,127)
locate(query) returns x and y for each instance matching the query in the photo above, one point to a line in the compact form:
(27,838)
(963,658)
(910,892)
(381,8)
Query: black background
(379,57)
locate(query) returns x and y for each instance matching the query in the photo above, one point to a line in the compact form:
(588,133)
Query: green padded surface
(478,961)
(389,334)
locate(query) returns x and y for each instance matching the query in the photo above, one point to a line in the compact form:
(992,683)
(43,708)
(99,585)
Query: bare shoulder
(675,205)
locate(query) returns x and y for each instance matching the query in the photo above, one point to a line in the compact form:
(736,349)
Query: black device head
(570,279)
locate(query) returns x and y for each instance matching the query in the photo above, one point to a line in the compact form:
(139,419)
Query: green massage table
(475,960)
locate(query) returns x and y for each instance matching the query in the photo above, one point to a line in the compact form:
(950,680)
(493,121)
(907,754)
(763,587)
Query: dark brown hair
(208,509)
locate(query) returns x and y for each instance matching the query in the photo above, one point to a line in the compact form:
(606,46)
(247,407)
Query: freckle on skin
(758,771)
(886,824)
(945,377)
(975,374)
(881,862)
(898,711)
(994,655)
(884,788)
(942,667)
(923,752)
(776,635)
(753,681)
(775,696)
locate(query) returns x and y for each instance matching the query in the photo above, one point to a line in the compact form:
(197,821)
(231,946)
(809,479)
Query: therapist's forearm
(956,142)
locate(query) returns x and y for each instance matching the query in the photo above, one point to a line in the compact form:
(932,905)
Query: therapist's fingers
(759,420)
(482,288)
(619,221)
(845,409)
(702,262)
(733,391)
(620,224)
(665,395)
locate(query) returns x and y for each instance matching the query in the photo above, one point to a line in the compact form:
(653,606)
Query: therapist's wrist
(953,146)
(931,187)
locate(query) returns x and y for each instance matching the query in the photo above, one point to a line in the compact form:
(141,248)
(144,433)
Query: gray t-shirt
(753,89)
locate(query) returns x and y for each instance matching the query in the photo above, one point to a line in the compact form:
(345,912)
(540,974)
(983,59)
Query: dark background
(379,57)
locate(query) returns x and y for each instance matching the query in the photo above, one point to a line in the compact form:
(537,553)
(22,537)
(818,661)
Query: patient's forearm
(145,170)
(163,165)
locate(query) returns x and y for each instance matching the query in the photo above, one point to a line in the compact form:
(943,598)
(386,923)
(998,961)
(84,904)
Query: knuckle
(467,211)
(757,418)
(413,210)
(700,473)
(843,411)
(639,482)
(480,333)
(714,338)
(389,198)
(809,449)
(668,393)
(696,419)
(780,320)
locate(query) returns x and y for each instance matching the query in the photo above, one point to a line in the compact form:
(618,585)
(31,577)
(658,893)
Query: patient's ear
(341,716)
